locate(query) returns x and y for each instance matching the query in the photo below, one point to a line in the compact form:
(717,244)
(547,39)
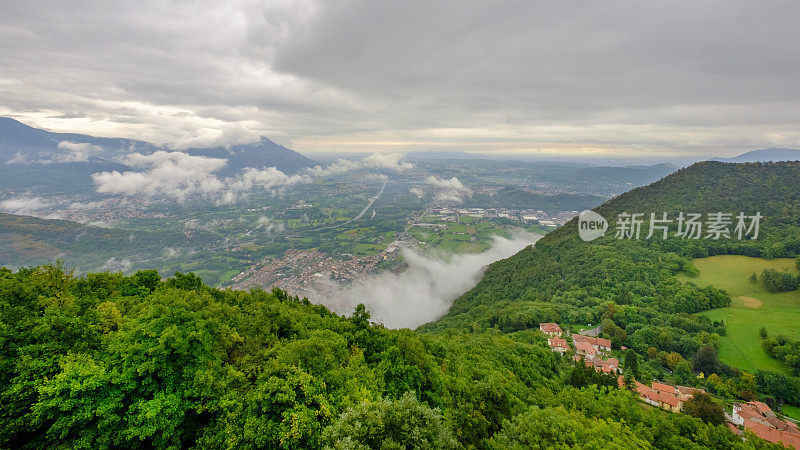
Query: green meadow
(752,307)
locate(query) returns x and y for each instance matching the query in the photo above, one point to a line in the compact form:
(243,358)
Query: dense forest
(107,360)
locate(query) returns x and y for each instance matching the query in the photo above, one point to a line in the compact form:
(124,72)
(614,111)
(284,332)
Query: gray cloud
(582,77)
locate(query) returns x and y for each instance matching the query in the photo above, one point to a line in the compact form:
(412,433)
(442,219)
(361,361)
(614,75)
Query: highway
(372,201)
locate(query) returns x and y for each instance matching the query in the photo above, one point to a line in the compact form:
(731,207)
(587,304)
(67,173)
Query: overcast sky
(587,78)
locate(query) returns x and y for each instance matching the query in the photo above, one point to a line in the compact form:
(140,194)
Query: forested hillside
(107,360)
(632,282)
(629,287)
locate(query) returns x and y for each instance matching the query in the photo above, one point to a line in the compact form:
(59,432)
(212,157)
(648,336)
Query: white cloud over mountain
(76,151)
(178,176)
(171,174)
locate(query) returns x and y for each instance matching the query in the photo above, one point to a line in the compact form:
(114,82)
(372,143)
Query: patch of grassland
(752,308)
(791,411)
(422,234)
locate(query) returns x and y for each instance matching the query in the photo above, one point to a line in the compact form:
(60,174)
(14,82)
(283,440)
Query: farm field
(752,307)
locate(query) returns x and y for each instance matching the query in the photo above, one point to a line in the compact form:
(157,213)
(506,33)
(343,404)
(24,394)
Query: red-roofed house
(763,408)
(665,396)
(684,392)
(610,365)
(558,345)
(670,402)
(761,420)
(599,344)
(773,435)
(550,329)
(585,348)
(659,399)
(662,388)
(647,395)
(662,395)
(755,411)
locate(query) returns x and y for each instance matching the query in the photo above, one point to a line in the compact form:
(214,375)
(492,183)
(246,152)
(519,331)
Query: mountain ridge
(771,154)
(565,279)
(19,140)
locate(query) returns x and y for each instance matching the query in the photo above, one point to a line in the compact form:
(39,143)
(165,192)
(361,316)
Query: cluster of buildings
(591,349)
(754,416)
(590,346)
(610,365)
(524,215)
(761,420)
(303,271)
(664,396)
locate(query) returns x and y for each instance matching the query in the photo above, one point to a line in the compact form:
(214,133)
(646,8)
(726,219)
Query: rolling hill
(647,294)
(633,283)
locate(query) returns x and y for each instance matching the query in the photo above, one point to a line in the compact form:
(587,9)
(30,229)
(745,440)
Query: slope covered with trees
(107,360)
(629,286)
(632,282)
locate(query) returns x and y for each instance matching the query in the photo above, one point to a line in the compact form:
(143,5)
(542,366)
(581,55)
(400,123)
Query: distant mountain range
(764,155)
(21,144)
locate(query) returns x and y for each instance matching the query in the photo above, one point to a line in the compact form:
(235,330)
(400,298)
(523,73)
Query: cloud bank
(425,290)
(50,208)
(178,175)
(76,151)
(116,265)
(173,174)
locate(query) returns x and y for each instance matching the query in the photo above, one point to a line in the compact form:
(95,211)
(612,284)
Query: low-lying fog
(425,290)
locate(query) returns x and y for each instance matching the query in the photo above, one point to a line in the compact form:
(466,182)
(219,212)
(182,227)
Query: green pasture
(752,307)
